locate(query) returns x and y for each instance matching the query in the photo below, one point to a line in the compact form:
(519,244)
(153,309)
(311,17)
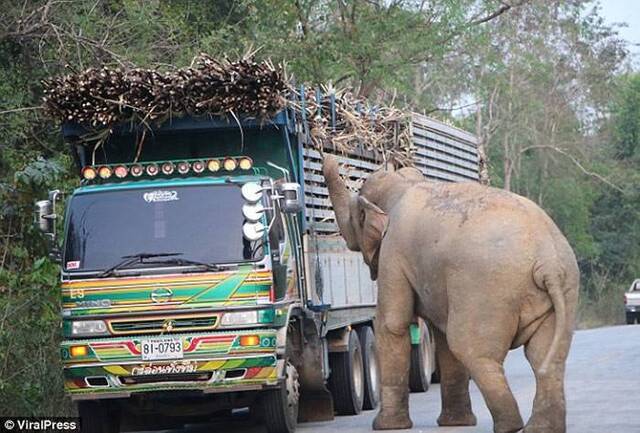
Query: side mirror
(45,219)
(290,197)
(43,216)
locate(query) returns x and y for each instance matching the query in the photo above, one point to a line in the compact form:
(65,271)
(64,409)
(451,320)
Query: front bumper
(212,362)
(632,309)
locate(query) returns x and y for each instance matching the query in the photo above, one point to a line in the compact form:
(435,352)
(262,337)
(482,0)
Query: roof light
(137,170)
(246,163)
(198,166)
(121,171)
(167,168)
(105,172)
(152,169)
(213,165)
(183,167)
(230,164)
(88,173)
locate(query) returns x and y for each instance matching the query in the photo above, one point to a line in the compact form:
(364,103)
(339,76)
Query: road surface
(601,388)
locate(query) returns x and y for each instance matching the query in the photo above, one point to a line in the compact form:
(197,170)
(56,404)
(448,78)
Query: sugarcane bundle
(345,122)
(100,98)
(103,97)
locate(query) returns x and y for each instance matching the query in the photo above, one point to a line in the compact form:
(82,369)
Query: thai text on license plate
(161,348)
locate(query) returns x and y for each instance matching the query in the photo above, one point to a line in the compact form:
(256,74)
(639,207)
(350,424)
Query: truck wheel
(346,381)
(420,371)
(631,319)
(99,417)
(278,408)
(435,377)
(370,364)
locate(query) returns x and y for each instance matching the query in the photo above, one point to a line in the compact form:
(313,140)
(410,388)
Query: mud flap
(316,402)
(316,405)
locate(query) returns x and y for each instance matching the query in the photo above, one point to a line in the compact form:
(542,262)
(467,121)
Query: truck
(632,303)
(204,272)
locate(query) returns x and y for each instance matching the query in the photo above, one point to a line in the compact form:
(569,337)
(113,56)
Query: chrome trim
(168,361)
(100,396)
(221,309)
(86,381)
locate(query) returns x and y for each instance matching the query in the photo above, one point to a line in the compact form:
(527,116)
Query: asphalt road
(602,391)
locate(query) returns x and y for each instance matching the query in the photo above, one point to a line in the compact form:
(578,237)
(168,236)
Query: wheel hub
(373,373)
(358,375)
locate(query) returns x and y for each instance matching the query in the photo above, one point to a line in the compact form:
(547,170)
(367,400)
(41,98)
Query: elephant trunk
(341,200)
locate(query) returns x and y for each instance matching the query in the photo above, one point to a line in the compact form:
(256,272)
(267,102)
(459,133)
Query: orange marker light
(230,164)
(183,167)
(77,351)
(213,165)
(167,168)
(246,163)
(137,170)
(249,340)
(152,169)
(198,166)
(89,173)
(121,171)
(104,172)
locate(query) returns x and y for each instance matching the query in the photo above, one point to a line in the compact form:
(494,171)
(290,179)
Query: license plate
(161,348)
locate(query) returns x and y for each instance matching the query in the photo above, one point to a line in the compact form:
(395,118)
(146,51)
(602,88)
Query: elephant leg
(394,313)
(549,406)
(454,387)
(481,342)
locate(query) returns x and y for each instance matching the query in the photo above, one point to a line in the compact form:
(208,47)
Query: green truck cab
(201,272)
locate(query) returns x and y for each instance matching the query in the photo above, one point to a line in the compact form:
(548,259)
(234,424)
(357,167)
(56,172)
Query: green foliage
(570,205)
(616,228)
(626,115)
(30,379)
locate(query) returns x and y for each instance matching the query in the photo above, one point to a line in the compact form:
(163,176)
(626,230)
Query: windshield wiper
(186,262)
(134,258)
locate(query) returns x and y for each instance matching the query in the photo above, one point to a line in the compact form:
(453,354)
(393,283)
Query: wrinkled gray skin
(487,268)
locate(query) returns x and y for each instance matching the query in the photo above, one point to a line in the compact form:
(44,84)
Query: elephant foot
(392,421)
(544,428)
(451,419)
(510,427)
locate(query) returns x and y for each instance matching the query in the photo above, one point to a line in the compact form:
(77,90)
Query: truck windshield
(199,223)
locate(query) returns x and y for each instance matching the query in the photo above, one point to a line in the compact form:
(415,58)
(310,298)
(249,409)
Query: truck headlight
(88,328)
(240,318)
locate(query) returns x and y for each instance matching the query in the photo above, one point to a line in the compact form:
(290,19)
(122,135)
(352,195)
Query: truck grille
(164,325)
(171,377)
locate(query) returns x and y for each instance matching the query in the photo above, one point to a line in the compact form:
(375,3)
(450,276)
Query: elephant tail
(552,280)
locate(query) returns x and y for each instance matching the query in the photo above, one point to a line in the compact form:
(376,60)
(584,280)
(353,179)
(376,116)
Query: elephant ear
(374,223)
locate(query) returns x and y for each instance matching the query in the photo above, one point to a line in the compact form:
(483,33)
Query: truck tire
(435,377)
(278,408)
(631,319)
(99,416)
(421,369)
(346,381)
(370,364)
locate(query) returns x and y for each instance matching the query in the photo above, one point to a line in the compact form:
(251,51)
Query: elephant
(487,268)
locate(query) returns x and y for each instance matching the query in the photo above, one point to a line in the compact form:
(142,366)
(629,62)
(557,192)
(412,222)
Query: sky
(624,11)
